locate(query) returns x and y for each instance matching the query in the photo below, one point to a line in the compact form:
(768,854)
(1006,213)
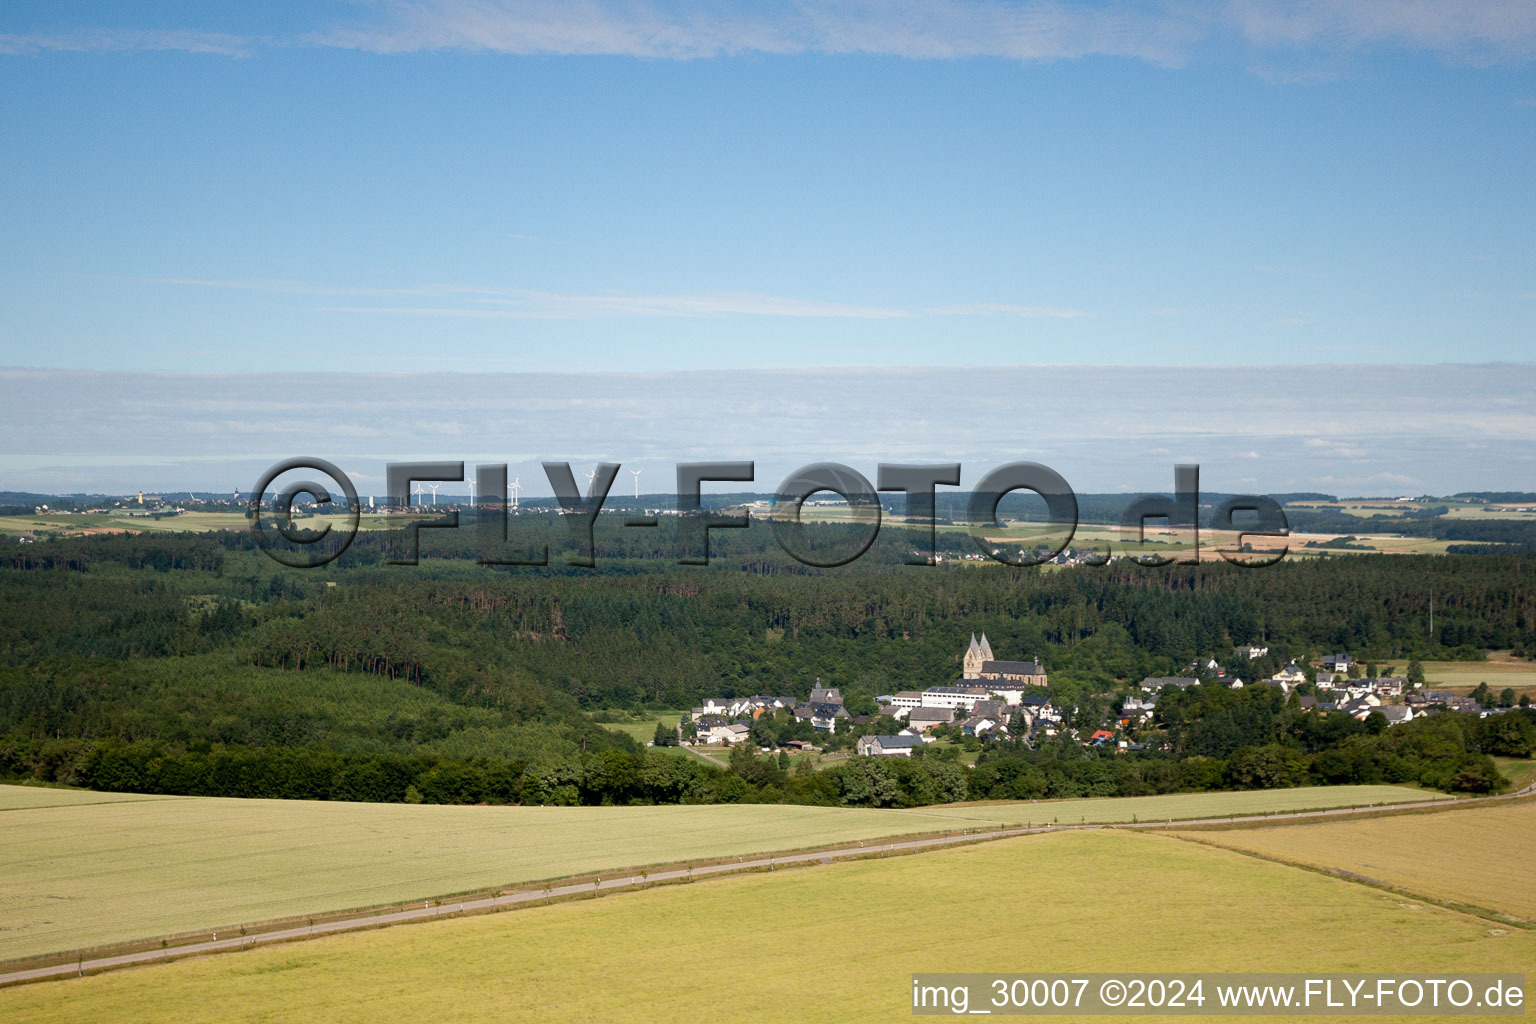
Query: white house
(715,729)
(713,706)
(980,725)
(888,746)
(1290,675)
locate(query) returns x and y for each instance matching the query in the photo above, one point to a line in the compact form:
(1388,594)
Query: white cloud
(1286,40)
(127,40)
(921,29)
(1163,32)
(1482,31)
(523,304)
(1338,449)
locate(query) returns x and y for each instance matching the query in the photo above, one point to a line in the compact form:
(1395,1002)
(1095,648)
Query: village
(995,700)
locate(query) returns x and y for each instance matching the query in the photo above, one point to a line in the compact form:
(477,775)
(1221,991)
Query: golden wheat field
(836,943)
(1478,856)
(80,869)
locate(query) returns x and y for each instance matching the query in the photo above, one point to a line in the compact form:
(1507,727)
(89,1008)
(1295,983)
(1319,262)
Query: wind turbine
(589,480)
(471,482)
(419,492)
(636,474)
(517,486)
(434,493)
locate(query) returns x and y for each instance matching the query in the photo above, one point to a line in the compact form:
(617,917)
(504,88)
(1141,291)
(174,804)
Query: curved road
(431,909)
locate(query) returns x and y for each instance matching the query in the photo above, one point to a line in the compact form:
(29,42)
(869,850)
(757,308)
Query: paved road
(434,908)
(712,760)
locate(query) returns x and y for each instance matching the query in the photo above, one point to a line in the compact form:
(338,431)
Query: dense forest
(193,663)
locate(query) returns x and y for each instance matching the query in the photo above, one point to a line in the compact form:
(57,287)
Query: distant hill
(1514,497)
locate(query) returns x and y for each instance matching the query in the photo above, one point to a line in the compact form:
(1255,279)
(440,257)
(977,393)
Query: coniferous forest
(192,663)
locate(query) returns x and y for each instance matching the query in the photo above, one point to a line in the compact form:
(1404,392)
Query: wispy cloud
(1286,40)
(1483,32)
(522,304)
(128,40)
(1165,32)
(1338,449)
(280,286)
(925,29)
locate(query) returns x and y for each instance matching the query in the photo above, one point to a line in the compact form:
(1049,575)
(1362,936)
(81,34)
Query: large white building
(954,696)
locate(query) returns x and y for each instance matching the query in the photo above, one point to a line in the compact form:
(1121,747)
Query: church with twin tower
(978,663)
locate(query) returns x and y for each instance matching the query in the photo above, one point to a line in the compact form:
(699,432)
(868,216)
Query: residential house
(715,729)
(1357,709)
(1251,651)
(1397,714)
(1155,684)
(981,725)
(888,746)
(923,719)
(712,706)
(1137,710)
(996,708)
(1037,708)
(825,716)
(826,695)
(1290,675)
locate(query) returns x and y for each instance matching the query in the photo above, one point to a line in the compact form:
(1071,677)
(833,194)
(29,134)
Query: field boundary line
(1354,878)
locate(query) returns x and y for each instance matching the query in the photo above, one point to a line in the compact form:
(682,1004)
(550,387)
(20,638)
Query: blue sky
(402,186)
(644,190)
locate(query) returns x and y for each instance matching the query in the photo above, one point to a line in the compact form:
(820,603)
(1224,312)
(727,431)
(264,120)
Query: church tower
(975,654)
